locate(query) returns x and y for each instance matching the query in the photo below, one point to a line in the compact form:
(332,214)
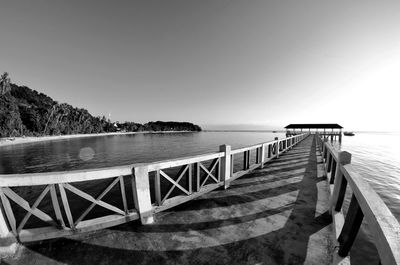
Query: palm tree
(62,112)
(48,119)
(4,83)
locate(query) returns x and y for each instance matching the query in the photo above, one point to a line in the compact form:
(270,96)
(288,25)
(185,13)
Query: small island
(26,112)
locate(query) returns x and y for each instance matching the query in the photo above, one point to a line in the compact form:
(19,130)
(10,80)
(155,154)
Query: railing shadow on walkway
(279,235)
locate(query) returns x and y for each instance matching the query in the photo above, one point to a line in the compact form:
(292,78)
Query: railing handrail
(45,178)
(384,226)
(180,161)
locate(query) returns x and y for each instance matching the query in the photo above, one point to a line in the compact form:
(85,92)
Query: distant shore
(34,139)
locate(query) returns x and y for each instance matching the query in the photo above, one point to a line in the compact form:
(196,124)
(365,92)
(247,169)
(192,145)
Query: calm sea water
(106,151)
(376,155)
(377,158)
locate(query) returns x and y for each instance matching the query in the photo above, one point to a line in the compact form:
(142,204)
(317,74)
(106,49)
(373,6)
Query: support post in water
(340,182)
(141,194)
(350,228)
(225,164)
(325,153)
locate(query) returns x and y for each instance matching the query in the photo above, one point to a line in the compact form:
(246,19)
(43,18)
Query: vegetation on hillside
(24,111)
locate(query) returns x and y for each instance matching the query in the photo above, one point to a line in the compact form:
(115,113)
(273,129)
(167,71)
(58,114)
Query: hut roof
(314,126)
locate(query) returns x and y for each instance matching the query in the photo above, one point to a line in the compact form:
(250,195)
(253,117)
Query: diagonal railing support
(9,213)
(4,230)
(175,184)
(209,172)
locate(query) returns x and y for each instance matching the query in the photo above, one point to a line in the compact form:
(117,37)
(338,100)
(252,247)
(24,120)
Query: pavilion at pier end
(326,130)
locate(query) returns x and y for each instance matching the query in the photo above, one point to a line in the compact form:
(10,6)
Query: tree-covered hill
(24,111)
(171,126)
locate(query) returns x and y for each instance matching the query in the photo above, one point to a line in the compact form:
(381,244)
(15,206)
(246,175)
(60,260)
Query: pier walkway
(274,215)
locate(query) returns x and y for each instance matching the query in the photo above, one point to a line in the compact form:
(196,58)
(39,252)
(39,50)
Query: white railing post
(141,194)
(322,146)
(225,164)
(262,155)
(277,147)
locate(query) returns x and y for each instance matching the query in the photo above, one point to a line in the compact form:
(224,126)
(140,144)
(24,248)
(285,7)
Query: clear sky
(247,64)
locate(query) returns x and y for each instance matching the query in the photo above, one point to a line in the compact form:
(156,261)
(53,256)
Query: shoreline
(35,139)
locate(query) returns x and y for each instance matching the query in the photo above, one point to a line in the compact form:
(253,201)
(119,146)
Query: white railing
(137,191)
(365,202)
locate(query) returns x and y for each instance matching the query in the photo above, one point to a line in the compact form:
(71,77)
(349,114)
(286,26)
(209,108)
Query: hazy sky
(219,62)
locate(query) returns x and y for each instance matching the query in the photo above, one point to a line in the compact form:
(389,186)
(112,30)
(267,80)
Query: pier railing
(365,203)
(62,203)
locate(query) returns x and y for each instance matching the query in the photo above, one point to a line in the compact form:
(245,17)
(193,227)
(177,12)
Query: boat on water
(348,133)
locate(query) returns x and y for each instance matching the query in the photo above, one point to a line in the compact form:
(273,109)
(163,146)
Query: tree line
(24,111)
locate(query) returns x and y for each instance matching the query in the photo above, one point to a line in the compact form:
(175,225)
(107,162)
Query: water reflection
(86,153)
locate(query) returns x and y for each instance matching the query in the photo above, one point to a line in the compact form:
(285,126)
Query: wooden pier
(283,206)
